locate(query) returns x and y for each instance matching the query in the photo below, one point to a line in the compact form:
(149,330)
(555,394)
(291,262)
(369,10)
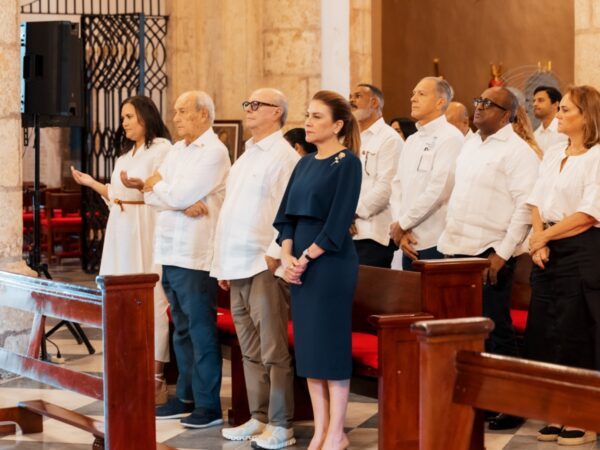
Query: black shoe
(174,409)
(505,422)
(549,433)
(489,415)
(202,418)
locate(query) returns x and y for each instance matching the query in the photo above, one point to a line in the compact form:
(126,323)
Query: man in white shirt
(545,106)
(425,174)
(457,114)
(194,171)
(379,153)
(488,215)
(246,260)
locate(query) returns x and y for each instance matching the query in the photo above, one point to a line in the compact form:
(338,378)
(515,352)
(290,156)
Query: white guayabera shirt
(488,206)
(189,173)
(255,187)
(380,149)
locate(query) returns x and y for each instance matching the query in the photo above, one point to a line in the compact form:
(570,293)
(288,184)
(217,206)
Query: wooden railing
(123,308)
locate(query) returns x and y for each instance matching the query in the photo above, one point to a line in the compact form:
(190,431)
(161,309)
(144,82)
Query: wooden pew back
(456,378)
(384,291)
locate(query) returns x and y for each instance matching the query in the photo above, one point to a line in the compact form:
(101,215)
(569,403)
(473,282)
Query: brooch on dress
(338,158)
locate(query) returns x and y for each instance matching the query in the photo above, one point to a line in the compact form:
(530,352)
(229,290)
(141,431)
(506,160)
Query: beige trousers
(260,309)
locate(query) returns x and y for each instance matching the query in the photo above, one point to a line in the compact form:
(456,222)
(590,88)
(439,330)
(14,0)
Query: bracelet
(307,256)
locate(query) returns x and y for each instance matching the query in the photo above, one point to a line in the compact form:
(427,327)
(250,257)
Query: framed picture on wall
(230,132)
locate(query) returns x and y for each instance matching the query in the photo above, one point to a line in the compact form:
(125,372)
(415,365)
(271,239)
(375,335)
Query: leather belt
(127,202)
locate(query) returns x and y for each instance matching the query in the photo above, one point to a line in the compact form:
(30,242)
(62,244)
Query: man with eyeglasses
(246,261)
(379,153)
(487,214)
(425,175)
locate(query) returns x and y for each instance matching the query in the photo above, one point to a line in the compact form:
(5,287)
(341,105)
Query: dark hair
(298,136)
(376,92)
(148,115)
(553,93)
(587,100)
(407,125)
(341,110)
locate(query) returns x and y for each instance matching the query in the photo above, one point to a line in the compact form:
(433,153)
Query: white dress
(129,237)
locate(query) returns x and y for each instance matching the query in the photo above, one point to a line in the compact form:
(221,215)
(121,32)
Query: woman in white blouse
(143,140)
(564,315)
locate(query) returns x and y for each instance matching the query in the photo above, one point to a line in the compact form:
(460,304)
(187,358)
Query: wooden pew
(457,380)
(123,308)
(386,303)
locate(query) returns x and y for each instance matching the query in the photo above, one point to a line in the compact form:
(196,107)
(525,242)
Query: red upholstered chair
(63,224)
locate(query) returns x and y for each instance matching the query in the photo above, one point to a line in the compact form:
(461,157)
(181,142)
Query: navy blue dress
(318,207)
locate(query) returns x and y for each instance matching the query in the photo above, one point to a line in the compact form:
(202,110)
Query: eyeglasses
(255,104)
(486,103)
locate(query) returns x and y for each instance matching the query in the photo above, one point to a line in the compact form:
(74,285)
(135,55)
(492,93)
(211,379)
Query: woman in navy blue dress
(320,261)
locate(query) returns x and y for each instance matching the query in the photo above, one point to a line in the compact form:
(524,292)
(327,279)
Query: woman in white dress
(143,140)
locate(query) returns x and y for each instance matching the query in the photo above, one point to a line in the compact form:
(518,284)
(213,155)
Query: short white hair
(203,101)
(443,89)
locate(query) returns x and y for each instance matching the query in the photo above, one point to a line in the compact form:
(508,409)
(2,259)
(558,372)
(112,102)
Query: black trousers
(372,253)
(563,325)
(496,306)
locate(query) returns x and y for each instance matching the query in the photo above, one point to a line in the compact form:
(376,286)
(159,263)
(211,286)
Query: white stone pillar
(14,325)
(335,45)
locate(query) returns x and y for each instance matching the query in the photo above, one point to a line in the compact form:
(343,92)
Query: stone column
(14,325)
(229,48)
(335,45)
(587,42)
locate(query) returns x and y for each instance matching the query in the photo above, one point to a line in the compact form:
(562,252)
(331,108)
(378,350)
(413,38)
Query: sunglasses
(255,104)
(487,103)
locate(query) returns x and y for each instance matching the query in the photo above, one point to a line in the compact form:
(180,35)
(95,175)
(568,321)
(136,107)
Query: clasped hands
(538,249)
(404,239)
(293,268)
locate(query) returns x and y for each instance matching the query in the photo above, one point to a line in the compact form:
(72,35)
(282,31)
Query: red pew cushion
(519,320)
(364,349)
(364,345)
(224,321)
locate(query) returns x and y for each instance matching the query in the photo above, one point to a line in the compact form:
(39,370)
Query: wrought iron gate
(124,54)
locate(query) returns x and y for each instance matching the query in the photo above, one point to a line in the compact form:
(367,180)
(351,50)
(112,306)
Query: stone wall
(14,325)
(229,48)
(587,42)
(361,43)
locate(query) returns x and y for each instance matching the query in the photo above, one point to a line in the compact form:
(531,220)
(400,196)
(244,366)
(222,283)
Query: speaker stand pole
(34,259)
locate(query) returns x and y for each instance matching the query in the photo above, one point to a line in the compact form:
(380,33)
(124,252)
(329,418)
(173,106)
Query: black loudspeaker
(52,82)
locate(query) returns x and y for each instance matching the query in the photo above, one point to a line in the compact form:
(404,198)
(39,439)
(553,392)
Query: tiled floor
(361,422)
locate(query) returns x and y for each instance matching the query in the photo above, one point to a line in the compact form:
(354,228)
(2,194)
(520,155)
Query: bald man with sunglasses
(488,215)
(246,262)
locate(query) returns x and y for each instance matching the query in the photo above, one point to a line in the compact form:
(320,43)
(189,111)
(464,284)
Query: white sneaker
(274,438)
(245,431)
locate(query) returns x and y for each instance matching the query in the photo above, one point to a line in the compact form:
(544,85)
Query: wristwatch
(307,256)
